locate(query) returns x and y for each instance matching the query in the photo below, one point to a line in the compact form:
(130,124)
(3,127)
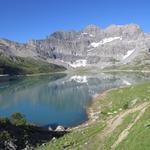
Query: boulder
(50,128)
(60,128)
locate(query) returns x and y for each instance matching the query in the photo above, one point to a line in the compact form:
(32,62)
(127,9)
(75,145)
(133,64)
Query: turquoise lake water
(57,99)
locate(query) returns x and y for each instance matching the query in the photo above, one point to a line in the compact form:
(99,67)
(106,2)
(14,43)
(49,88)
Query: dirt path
(118,119)
(112,124)
(125,132)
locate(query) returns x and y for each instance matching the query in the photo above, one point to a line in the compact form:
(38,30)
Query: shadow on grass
(19,137)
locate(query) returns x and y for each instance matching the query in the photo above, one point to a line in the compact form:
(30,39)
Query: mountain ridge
(91,46)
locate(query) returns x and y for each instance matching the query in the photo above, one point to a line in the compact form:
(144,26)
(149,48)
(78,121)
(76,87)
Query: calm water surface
(57,99)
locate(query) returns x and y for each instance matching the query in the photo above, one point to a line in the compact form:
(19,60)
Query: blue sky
(21,20)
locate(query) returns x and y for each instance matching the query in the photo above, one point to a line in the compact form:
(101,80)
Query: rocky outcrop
(90,46)
(60,128)
(27,137)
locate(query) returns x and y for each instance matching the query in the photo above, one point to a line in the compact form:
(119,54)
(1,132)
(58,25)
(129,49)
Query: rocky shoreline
(93,111)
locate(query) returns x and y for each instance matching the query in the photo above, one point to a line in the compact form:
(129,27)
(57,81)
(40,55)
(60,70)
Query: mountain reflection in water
(58,99)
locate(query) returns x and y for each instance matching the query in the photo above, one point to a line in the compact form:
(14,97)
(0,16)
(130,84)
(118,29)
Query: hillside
(119,119)
(21,66)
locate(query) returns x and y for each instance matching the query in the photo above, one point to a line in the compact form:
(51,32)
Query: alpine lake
(58,99)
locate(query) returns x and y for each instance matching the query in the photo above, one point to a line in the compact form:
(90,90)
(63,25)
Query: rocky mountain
(91,46)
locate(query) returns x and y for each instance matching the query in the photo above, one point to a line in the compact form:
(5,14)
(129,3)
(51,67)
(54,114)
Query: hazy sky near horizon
(21,20)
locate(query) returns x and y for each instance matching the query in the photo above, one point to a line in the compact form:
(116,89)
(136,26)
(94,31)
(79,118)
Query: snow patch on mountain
(126,82)
(128,54)
(84,33)
(79,63)
(90,50)
(104,41)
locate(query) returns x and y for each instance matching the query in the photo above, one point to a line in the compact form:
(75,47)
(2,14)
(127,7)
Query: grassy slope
(139,136)
(110,140)
(124,97)
(18,65)
(76,139)
(89,137)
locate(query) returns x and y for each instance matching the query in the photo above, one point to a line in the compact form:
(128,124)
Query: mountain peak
(134,27)
(92,27)
(130,26)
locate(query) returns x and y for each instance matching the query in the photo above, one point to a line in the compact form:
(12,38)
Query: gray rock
(60,128)
(99,47)
(50,128)
(10,145)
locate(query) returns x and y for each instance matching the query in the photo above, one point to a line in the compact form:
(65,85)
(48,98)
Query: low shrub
(18,119)
(126,105)
(4,121)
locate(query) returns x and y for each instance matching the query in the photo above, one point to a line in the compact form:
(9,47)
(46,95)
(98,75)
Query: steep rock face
(90,46)
(16,49)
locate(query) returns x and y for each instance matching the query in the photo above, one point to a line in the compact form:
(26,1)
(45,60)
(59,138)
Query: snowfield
(79,63)
(104,41)
(128,54)
(126,82)
(84,33)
